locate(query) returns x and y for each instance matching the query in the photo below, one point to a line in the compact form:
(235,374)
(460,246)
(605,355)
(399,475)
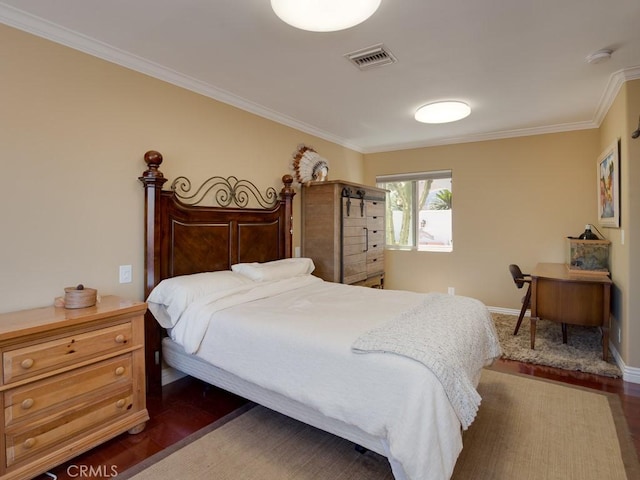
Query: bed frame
(182,236)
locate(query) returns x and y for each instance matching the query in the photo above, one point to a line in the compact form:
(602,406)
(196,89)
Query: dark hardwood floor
(189,405)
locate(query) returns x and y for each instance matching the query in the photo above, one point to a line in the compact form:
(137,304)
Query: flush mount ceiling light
(324,15)
(442,112)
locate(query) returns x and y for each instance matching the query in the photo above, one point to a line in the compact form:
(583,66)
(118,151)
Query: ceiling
(519,64)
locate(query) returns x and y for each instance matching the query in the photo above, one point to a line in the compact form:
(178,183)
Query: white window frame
(415,214)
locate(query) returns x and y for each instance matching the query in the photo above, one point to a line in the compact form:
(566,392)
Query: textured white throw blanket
(445,334)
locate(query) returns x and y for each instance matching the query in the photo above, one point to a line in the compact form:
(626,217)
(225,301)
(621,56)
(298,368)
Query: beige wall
(73,133)
(620,121)
(631,218)
(515,201)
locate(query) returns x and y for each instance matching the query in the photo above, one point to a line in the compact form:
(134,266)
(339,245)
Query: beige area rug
(526,429)
(582,352)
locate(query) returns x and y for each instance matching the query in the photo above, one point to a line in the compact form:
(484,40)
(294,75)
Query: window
(418,210)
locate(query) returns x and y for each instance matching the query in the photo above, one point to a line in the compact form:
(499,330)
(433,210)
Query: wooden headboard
(183,238)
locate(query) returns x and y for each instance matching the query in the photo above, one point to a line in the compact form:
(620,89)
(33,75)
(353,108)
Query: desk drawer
(33,439)
(49,355)
(65,390)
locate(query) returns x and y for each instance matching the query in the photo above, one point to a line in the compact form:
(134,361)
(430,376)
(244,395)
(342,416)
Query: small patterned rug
(582,352)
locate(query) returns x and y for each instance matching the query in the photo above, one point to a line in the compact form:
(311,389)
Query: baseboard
(629,374)
(507,311)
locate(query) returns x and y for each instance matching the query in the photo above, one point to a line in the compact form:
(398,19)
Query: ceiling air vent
(370,57)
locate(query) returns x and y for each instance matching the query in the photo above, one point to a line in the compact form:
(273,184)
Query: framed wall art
(609,187)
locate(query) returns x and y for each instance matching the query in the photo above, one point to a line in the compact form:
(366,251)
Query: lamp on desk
(587,234)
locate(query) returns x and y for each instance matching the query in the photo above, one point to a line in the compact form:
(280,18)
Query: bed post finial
(153,160)
(288,182)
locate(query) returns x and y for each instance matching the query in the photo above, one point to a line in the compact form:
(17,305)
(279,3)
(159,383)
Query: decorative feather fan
(308,166)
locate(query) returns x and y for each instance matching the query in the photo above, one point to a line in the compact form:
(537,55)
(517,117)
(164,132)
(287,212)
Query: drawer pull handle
(27,363)
(29,443)
(119,338)
(120,403)
(119,371)
(27,403)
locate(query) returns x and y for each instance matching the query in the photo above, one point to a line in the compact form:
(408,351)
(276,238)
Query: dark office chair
(520,279)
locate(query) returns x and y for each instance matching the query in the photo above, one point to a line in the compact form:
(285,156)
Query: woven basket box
(80,298)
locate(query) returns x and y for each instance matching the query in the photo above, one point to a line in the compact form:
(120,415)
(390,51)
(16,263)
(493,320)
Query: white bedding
(294,337)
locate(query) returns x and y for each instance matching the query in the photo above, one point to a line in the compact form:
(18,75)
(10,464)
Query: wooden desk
(566,297)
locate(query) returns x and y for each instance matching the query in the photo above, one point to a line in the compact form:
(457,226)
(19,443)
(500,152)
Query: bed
(394,372)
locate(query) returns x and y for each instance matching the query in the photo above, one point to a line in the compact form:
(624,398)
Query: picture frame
(609,187)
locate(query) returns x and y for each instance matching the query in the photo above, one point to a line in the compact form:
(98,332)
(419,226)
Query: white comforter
(294,337)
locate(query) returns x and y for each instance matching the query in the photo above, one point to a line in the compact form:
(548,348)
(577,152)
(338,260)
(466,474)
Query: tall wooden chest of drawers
(343,229)
(71,379)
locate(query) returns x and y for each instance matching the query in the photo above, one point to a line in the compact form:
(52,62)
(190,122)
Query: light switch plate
(125,274)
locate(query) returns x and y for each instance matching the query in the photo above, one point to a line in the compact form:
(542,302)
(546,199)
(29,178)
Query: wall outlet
(296,252)
(451,290)
(619,335)
(125,274)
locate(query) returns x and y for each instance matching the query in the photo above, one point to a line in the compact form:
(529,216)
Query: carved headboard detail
(183,236)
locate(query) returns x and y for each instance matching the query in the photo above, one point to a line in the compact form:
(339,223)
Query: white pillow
(276,270)
(170,298)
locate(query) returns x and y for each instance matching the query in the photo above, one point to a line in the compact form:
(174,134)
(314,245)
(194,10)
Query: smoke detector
(599,56)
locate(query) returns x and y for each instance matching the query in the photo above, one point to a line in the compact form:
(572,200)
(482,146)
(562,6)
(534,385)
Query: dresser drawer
(375,249)
(376,237)
(375,208)
(375,263)
(68,390)
(36,438)
(375,223)
(43,357)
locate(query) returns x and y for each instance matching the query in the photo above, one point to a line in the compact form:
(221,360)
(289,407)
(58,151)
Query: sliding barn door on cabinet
(343,231)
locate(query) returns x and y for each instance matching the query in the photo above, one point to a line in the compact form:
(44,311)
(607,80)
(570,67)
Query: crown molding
(484,137)
(57,34)
(616,80)
(37,26)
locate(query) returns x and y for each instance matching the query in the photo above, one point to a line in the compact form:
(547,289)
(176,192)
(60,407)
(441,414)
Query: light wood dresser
(343,228)
(71,379)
